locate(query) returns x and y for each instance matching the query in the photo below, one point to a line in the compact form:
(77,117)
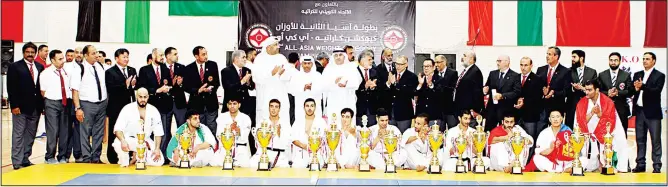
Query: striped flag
(114,21)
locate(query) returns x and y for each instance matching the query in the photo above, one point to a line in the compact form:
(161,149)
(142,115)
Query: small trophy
(517,143)
(391,145)
(435,141)
(314,142)
(461,144)
(228,139)
(333,138)
(608,169)
(364,146)
(185,140)
(577,141)
(141,147)
(479,141)
(264,135)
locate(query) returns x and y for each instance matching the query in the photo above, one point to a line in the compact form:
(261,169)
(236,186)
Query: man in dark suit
(402,88)
(201,80)
(156,78)
(647,87)
(446,82)
(177,94)
(468,89)
(386,67)
(121,80)
(428,94)
(367,92)
(502,86)
(616,84)
(530,101)
(25,100)
(237,81)
(579,74)
(557,79)
(321,61)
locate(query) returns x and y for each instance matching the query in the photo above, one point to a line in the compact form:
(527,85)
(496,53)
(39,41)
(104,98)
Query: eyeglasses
(428,66)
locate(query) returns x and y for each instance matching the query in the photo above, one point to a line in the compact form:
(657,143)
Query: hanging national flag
(24,21)
(593,23)
(114,21)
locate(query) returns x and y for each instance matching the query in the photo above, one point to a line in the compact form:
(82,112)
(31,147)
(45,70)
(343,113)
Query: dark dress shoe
(96,162)
(17,167)
(638,170)
(27,164)
(80,161)
(656,170)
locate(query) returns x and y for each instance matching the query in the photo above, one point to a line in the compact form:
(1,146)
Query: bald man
(156,78)
(138,118)
(503,88)
(468,87)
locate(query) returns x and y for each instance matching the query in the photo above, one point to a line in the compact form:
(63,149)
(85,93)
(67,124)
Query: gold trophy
(364,146)
(577,141)
(333,138)
(390,141)
(517,143)
(479,142)
(228,140)
(141,147)
(461,143)
(185,140)
(264,135)
(608,169)
(314,142)
(435,138)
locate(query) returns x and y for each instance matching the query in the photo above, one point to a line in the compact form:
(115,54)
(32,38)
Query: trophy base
(434,169)
(263,166)
(140,166)
(365,168)
(577,171)
(516,171)
(460,169)
(184,164)
(479,169)
(608,171)
(332,167)
(314,167)
(390,168)
(228,166)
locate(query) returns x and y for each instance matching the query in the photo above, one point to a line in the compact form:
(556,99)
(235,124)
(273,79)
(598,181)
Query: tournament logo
(394,38)
(256,34)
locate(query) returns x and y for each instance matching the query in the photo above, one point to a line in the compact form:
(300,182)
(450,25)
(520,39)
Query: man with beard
(447,82)
(69,56)
(463,129)
(201,80)
(340,81)
(579,74)
(301,130)
(350,52)
(557,80)
(468,89)
(321,61)
(616,85)
(138,118)
(416,143)
(201,148)
(367,92)
(240,124)
(378,153)
(386,67)
(503,88)
(500,151)
(121,83)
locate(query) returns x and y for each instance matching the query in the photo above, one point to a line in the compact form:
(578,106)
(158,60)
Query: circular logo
(256,34)
(394,38)
(621,86)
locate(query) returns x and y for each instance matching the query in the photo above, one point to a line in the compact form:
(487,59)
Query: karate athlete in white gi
(201,146)
(501,153)
(415,142)
(301,130)
(278,149)
(129,124)
(378,154)
(468,156)
(240,124)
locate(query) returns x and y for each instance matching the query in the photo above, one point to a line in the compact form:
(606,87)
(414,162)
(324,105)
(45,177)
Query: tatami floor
(106,174)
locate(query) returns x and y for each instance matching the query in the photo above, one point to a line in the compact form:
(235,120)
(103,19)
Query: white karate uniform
(283,142)
(545,138)
(241,150)
(128,124)
(378,154)
(297,83)
(302,158)
(418,152)
(450,164)
(203,157)
(338,98)
(619,143)
(272,87)
(501,153)
(349,149)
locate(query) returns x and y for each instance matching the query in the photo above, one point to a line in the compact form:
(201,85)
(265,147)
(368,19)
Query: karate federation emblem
(256,34)
(394,37)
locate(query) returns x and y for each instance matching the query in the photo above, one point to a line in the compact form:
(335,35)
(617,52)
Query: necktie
(398,77)
(171,71)
(500,79)
(157,74)
(201,72)
(62,88)
(125,74)
(460,78)
(31,71)
(81,67)
(549,76)
(442,74)
(580,75)
(97,82)
(366,75)
(240,75)
(524,79)
(614,79)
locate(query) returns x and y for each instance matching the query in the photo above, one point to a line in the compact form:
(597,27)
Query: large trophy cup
(435,138)
(264,135)
(608,169)
(461,143)
(364,146)
(314,141)
(141,147)
(185,140)
(517,143)
(333,138)
(479,142)
(227,137)
(577,141)
(390,141)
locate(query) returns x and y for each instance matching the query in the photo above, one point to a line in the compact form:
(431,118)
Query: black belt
(275,149)
(242,144)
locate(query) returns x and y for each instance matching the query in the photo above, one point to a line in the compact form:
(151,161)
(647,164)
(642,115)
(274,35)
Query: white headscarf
(310,59)
(269,41)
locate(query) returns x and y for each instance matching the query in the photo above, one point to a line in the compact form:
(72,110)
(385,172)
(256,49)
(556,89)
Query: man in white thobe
(341,79)
(550,147)
(500,151)
(307,83)
(201,146)
(272,74)
(278,149)
(468,155)
(240,124)
(416,143)
(301,132)
(136,118)
(378,154)
(348,152)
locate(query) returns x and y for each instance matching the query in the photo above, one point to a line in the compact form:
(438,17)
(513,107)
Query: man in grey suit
(615,83)
(579,74)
